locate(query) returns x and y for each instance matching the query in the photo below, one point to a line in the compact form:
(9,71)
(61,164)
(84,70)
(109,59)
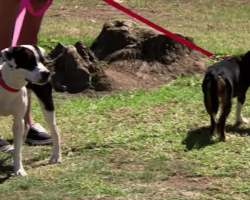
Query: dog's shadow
(6,170)
(200,137)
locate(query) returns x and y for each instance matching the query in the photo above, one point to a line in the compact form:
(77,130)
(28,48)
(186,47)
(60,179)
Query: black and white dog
(224,80)
(23,66)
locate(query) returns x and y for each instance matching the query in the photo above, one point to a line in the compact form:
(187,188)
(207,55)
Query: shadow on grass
(7,170)
(5,178)
(200,138)
(236,129)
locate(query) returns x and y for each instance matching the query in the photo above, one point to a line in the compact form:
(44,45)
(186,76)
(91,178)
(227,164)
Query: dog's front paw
(224,139)
(243,120)
(20,172)
(55,159)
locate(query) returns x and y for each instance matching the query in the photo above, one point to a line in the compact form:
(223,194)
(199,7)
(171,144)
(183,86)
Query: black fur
(226,79)
(44,93)
(24,57)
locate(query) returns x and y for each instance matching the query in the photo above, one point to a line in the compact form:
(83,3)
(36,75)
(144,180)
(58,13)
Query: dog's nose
(45,76)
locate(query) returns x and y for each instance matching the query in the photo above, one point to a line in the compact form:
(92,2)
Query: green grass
(49,43)
(143,144)
(131,144)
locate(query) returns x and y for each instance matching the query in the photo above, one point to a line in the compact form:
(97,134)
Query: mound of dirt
(73,67)
(141,57)
(134,57)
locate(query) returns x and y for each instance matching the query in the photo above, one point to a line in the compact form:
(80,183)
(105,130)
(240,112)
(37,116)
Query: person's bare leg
(28,117)
(8,13)
(31,25)
(29,35)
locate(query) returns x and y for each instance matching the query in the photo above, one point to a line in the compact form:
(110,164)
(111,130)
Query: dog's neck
(10,78)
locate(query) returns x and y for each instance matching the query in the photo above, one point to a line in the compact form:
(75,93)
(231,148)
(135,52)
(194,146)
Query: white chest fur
(13,103)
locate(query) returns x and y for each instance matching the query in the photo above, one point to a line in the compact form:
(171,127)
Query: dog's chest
(12,104)
(5,112)
(6,108)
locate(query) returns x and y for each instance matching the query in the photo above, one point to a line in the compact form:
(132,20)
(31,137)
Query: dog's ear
(42,51)
(245,57)
(7,54)
(247,54)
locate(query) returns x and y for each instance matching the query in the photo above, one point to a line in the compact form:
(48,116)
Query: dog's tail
(213,87)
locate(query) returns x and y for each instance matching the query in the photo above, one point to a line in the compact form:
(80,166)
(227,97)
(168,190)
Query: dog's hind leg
(44,94)
(211,103)
(226,105)
(240,102)
(213,128)
(26,125)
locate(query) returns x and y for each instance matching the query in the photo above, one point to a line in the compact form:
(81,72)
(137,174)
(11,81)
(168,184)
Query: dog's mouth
(41,82)
(42,78)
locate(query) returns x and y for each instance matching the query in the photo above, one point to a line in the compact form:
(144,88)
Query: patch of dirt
(121,80)
(100,198)
(101,12)
(94,198)
(131,167)
(104,12)
(139,57)
(184,182)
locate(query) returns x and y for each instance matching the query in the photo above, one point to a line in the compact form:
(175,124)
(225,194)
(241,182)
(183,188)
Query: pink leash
(24,6)
(153,25)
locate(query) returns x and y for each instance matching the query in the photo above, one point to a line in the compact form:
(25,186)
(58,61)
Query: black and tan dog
(224,80)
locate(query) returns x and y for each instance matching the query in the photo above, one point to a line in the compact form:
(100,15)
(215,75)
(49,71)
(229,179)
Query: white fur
(239,118)
(21,74)
(50,120)
(15,104)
